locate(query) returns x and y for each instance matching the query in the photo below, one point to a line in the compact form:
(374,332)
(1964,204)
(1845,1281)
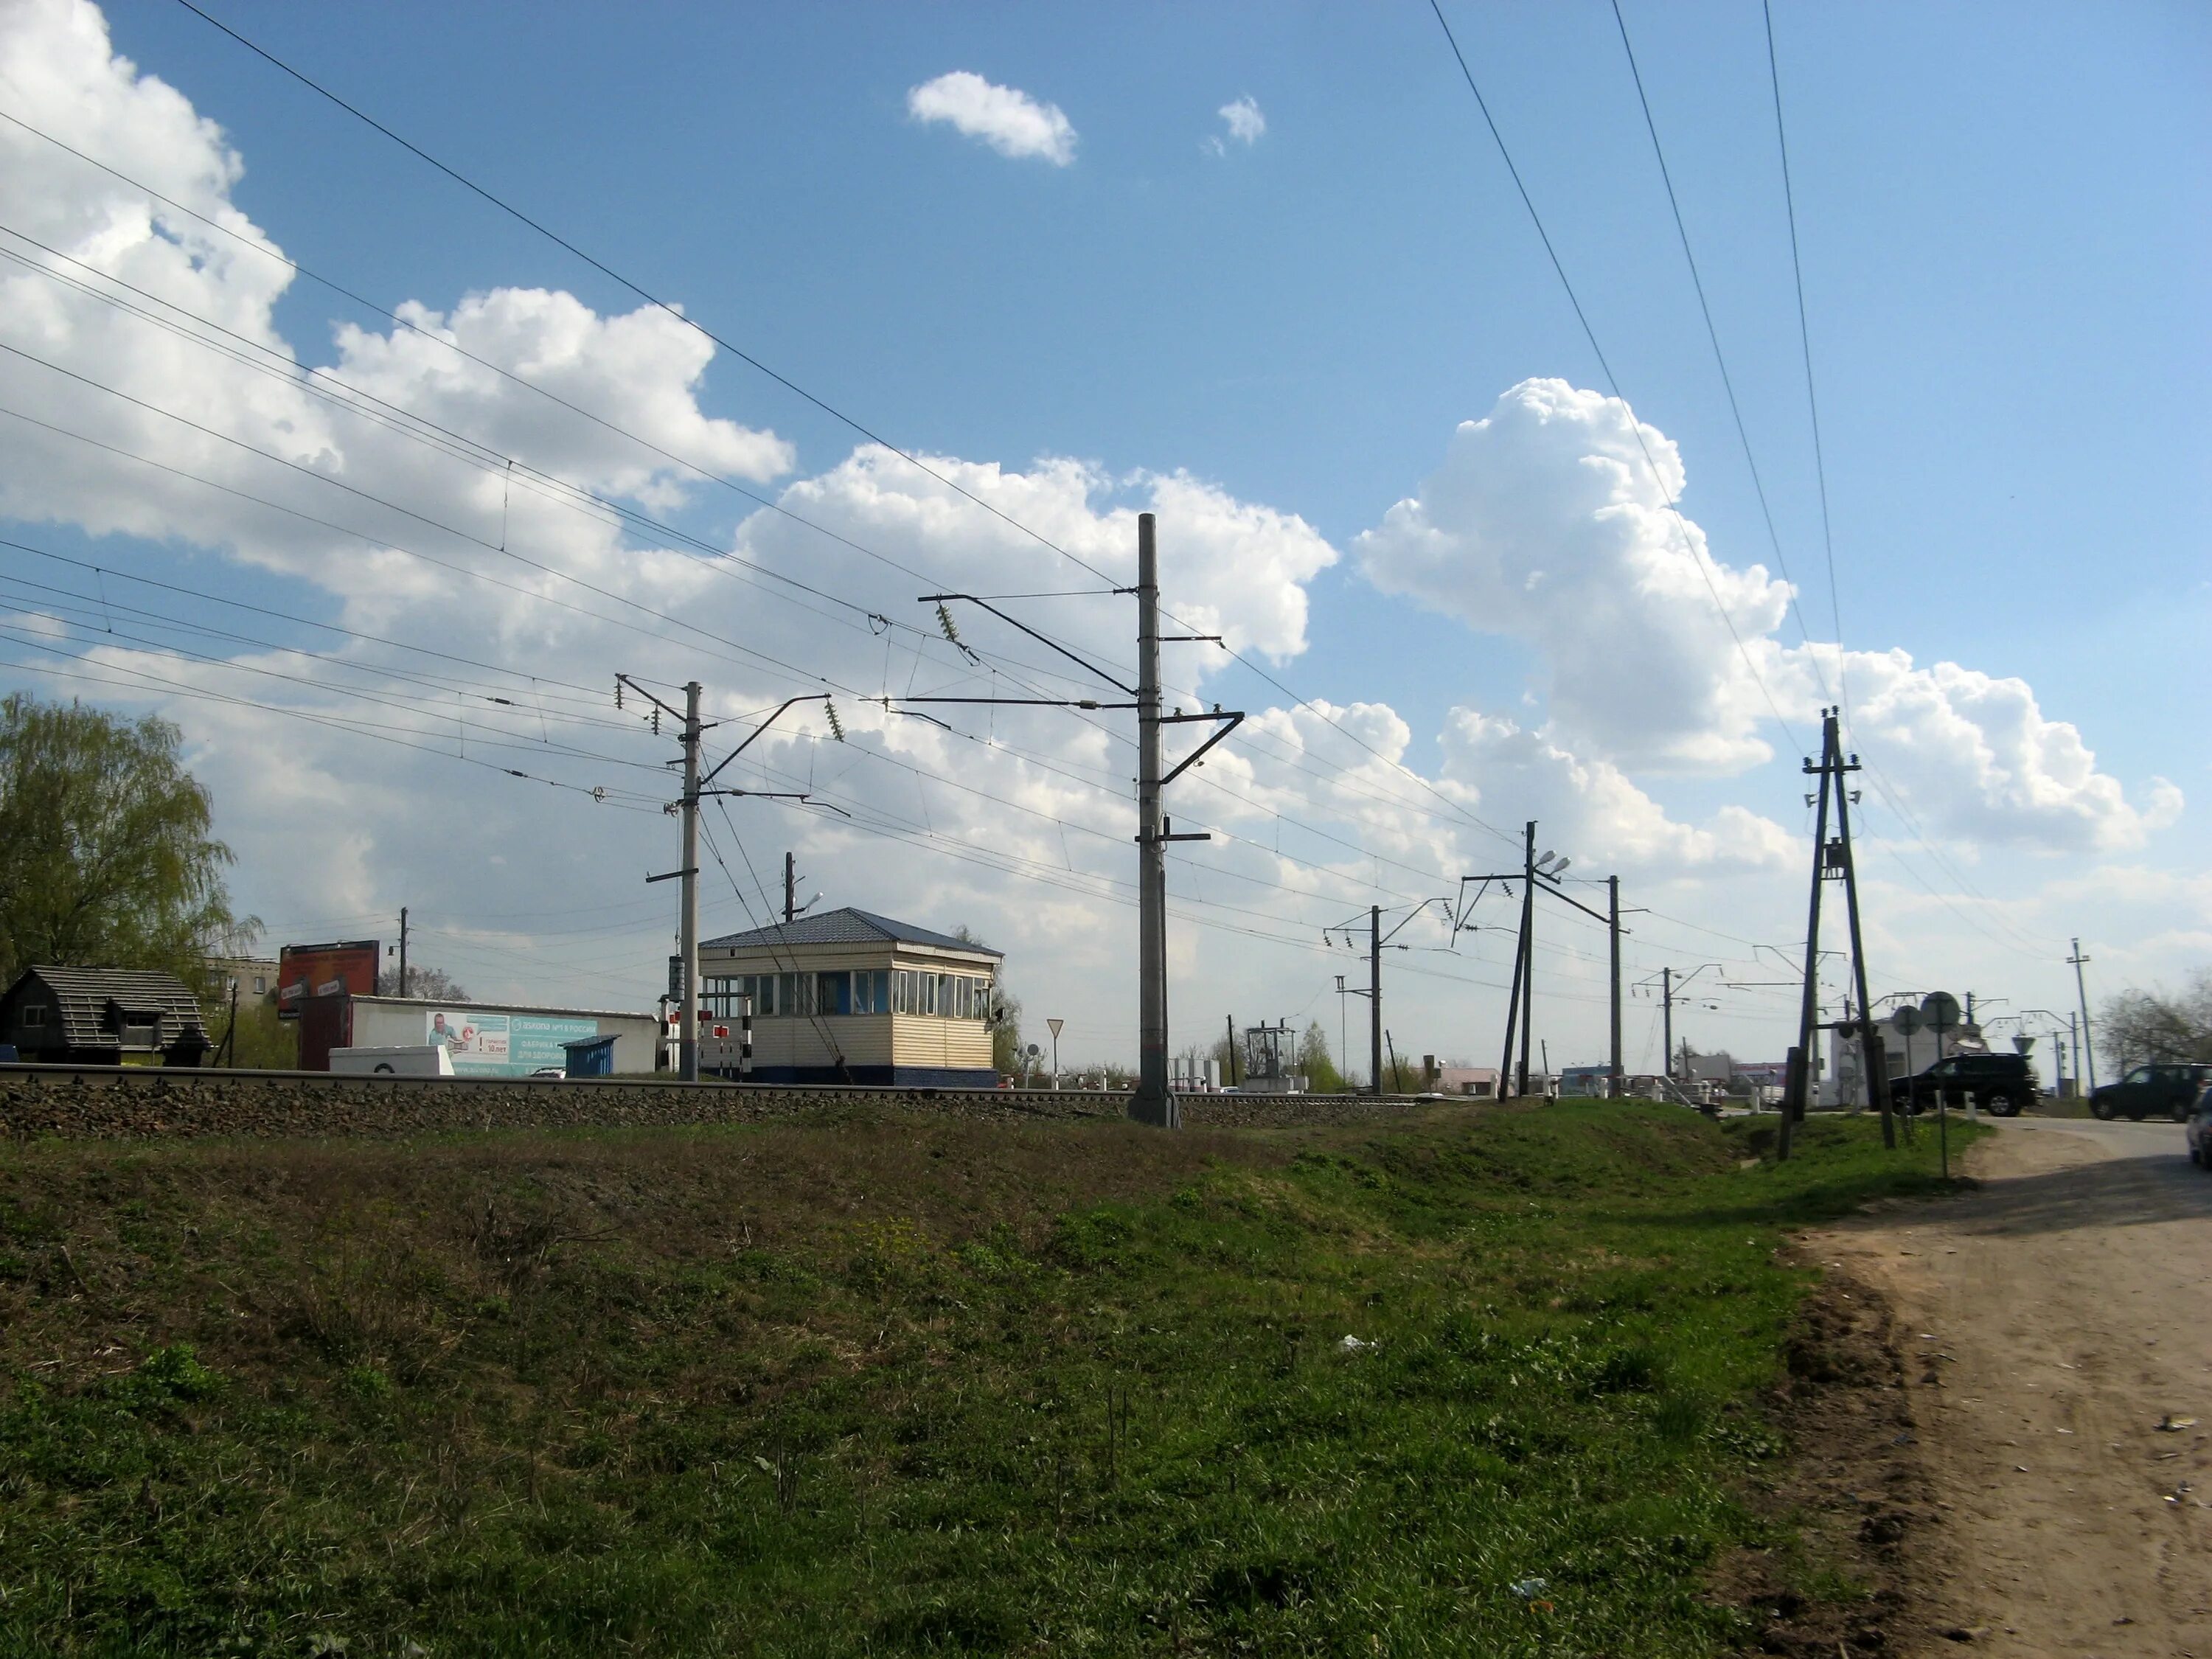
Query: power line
(646,294)
(1712,334)
(1247,737)
(1613,385)
(1805,339)
(837,414)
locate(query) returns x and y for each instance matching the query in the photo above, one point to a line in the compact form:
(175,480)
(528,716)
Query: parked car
(2165,1090)
(1999,1084)
(2200,1132)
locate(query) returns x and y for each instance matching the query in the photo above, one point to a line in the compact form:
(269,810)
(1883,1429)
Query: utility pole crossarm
(1007,702)
(1042,639)
(788,702)
(1229,722)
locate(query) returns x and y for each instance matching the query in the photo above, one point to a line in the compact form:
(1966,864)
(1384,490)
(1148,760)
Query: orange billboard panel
(308,970)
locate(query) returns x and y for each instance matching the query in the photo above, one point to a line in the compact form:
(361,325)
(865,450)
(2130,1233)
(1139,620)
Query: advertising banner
(307,970)
(484,1044)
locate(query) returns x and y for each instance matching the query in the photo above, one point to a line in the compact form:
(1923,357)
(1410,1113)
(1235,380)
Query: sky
(372,487)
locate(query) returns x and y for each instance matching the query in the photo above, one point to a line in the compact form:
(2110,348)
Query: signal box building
(852,997)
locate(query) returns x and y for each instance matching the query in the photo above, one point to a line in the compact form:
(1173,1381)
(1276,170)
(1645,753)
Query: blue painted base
(875,1077)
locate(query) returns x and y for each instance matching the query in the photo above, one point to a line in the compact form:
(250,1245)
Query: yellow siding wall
(924,1039)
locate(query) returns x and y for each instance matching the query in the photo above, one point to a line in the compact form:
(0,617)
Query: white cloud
(1592,806)
(1974,756)
(1245,124)
(1543,522)
(1549,520)
(1010,121)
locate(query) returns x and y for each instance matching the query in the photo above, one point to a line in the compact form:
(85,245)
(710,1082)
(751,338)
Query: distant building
(1480,1082)
(481,1039)
(253,978)
(851,996)
(103,1017)
(1584,1082)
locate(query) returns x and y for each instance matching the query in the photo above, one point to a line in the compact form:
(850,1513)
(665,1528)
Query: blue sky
(2003,220)
(2002,213)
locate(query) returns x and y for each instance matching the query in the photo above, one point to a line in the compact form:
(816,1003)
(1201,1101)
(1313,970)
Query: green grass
(905,1386)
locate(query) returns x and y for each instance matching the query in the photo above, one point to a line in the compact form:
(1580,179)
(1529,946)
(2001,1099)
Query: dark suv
(2000,1085)
(2151,1091)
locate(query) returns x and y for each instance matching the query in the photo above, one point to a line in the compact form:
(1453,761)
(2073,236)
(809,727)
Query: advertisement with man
(503,1045)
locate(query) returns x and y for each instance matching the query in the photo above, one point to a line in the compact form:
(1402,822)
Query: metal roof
(84,994)
(844,926)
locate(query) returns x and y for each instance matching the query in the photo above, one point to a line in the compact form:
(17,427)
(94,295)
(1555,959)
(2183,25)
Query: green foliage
(105,855)
(555,1395)
(1318,1063)
(2139,1026)
(263,1042)
(1006,1057)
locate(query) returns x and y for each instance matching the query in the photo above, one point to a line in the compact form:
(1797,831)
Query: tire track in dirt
(2049,1319)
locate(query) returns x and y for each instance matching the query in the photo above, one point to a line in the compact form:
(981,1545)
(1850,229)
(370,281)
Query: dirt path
(2058,1313)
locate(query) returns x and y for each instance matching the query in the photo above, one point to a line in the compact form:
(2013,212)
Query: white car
(2200,1131)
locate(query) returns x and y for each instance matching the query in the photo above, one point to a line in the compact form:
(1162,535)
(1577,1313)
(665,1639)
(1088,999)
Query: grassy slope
(903,1385)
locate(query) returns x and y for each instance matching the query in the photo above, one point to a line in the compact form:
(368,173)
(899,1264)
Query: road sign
(1940,1010)
(1053,1025)
(1906,1019)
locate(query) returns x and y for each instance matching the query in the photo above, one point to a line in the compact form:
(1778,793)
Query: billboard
(305,970)
(485,1044)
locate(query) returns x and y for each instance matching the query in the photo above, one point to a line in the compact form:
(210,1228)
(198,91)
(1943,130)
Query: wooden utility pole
(403,950)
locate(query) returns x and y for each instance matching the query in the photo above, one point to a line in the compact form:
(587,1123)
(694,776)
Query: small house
(849,996)
(103,1017)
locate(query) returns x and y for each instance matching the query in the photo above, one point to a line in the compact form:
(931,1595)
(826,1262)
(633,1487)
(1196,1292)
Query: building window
(34,1015)
(261,985)
(833,993)
(872,991)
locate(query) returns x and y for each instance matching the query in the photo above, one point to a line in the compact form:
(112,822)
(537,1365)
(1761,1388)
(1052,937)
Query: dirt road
(2052,1317)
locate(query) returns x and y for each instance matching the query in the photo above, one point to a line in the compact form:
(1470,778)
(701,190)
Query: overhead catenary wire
(1247,736)
(1457,809)
(835,413)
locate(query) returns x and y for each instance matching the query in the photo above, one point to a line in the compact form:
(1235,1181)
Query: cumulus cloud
(1545,521)
(1244,125)
(1009,120)
(1551,520)
(1592,805)
(1974,756)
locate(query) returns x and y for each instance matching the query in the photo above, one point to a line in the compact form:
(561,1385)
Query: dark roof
(84,995)
(845,926)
